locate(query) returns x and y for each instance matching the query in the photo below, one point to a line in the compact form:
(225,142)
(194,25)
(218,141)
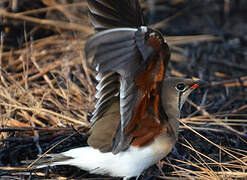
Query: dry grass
(46,87)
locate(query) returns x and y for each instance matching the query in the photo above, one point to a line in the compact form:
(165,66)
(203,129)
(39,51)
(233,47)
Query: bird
(136,118)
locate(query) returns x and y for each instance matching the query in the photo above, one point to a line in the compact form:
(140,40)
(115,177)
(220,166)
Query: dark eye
(180,86)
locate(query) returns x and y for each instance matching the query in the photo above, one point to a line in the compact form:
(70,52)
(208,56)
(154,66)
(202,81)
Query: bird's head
(174,93)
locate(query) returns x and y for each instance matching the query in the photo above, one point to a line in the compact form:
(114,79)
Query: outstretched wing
(131,64)
(106,14)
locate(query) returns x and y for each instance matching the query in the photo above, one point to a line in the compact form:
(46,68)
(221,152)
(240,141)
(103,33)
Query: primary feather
(106,14)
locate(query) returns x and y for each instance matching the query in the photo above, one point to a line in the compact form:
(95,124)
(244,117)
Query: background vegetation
(47,89)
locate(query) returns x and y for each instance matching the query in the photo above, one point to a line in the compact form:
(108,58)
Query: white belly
(124,164)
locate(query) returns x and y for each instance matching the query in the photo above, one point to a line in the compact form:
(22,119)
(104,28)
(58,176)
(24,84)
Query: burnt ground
(47,91)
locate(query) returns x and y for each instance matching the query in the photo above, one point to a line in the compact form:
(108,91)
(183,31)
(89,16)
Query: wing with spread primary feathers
(131,65)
